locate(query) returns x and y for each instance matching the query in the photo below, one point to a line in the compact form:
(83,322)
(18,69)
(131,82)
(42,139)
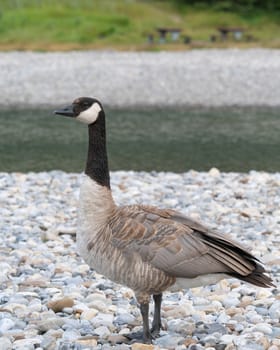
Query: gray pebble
(50,323)
(124,318)
(262,311)
(182,327)
(168,341)
(274,310)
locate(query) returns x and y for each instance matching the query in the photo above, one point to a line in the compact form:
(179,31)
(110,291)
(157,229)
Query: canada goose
(145,248)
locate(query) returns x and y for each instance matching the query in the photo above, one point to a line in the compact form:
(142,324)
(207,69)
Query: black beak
(67,111)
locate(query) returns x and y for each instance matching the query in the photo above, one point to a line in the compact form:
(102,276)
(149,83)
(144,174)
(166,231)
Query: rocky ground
(147,79)
(50,299)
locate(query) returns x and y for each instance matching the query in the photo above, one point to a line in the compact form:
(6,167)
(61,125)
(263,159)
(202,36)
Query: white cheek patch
(90,115)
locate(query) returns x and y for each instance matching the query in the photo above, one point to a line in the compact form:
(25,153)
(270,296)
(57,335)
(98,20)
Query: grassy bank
(124,24)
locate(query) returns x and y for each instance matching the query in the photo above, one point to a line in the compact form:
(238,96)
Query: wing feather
(178,245)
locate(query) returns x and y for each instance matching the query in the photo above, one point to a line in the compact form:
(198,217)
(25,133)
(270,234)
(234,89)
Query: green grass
(122,24)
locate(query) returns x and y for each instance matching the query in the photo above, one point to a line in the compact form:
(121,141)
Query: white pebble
(102,331)
(227,338)
(263,328)
(6,324)
(5,344)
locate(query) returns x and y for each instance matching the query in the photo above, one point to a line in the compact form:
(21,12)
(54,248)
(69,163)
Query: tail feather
(256,277)
(256,273)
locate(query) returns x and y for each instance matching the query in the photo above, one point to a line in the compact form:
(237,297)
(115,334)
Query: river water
(231,139)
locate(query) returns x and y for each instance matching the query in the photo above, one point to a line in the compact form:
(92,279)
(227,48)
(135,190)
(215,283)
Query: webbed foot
(140,337)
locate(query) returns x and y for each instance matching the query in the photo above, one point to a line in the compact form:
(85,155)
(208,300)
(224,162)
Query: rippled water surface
(231,139)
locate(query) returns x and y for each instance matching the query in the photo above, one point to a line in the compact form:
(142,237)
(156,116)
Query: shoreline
(206,78)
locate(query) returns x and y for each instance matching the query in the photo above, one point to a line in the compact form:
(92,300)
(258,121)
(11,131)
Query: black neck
(97,162)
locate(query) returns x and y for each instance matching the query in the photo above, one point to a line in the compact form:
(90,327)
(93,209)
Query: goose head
(84,109)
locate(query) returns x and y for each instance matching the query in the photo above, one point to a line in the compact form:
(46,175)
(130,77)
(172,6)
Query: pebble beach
(143,79)
(50,299)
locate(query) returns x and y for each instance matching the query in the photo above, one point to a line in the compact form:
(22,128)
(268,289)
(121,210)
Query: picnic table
(163,32)
(236,32)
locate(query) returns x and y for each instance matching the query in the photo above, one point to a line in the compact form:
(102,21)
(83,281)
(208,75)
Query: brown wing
(227,246)
(180,246)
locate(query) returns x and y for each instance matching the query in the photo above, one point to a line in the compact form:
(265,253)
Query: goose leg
(156,325)
(147,336)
